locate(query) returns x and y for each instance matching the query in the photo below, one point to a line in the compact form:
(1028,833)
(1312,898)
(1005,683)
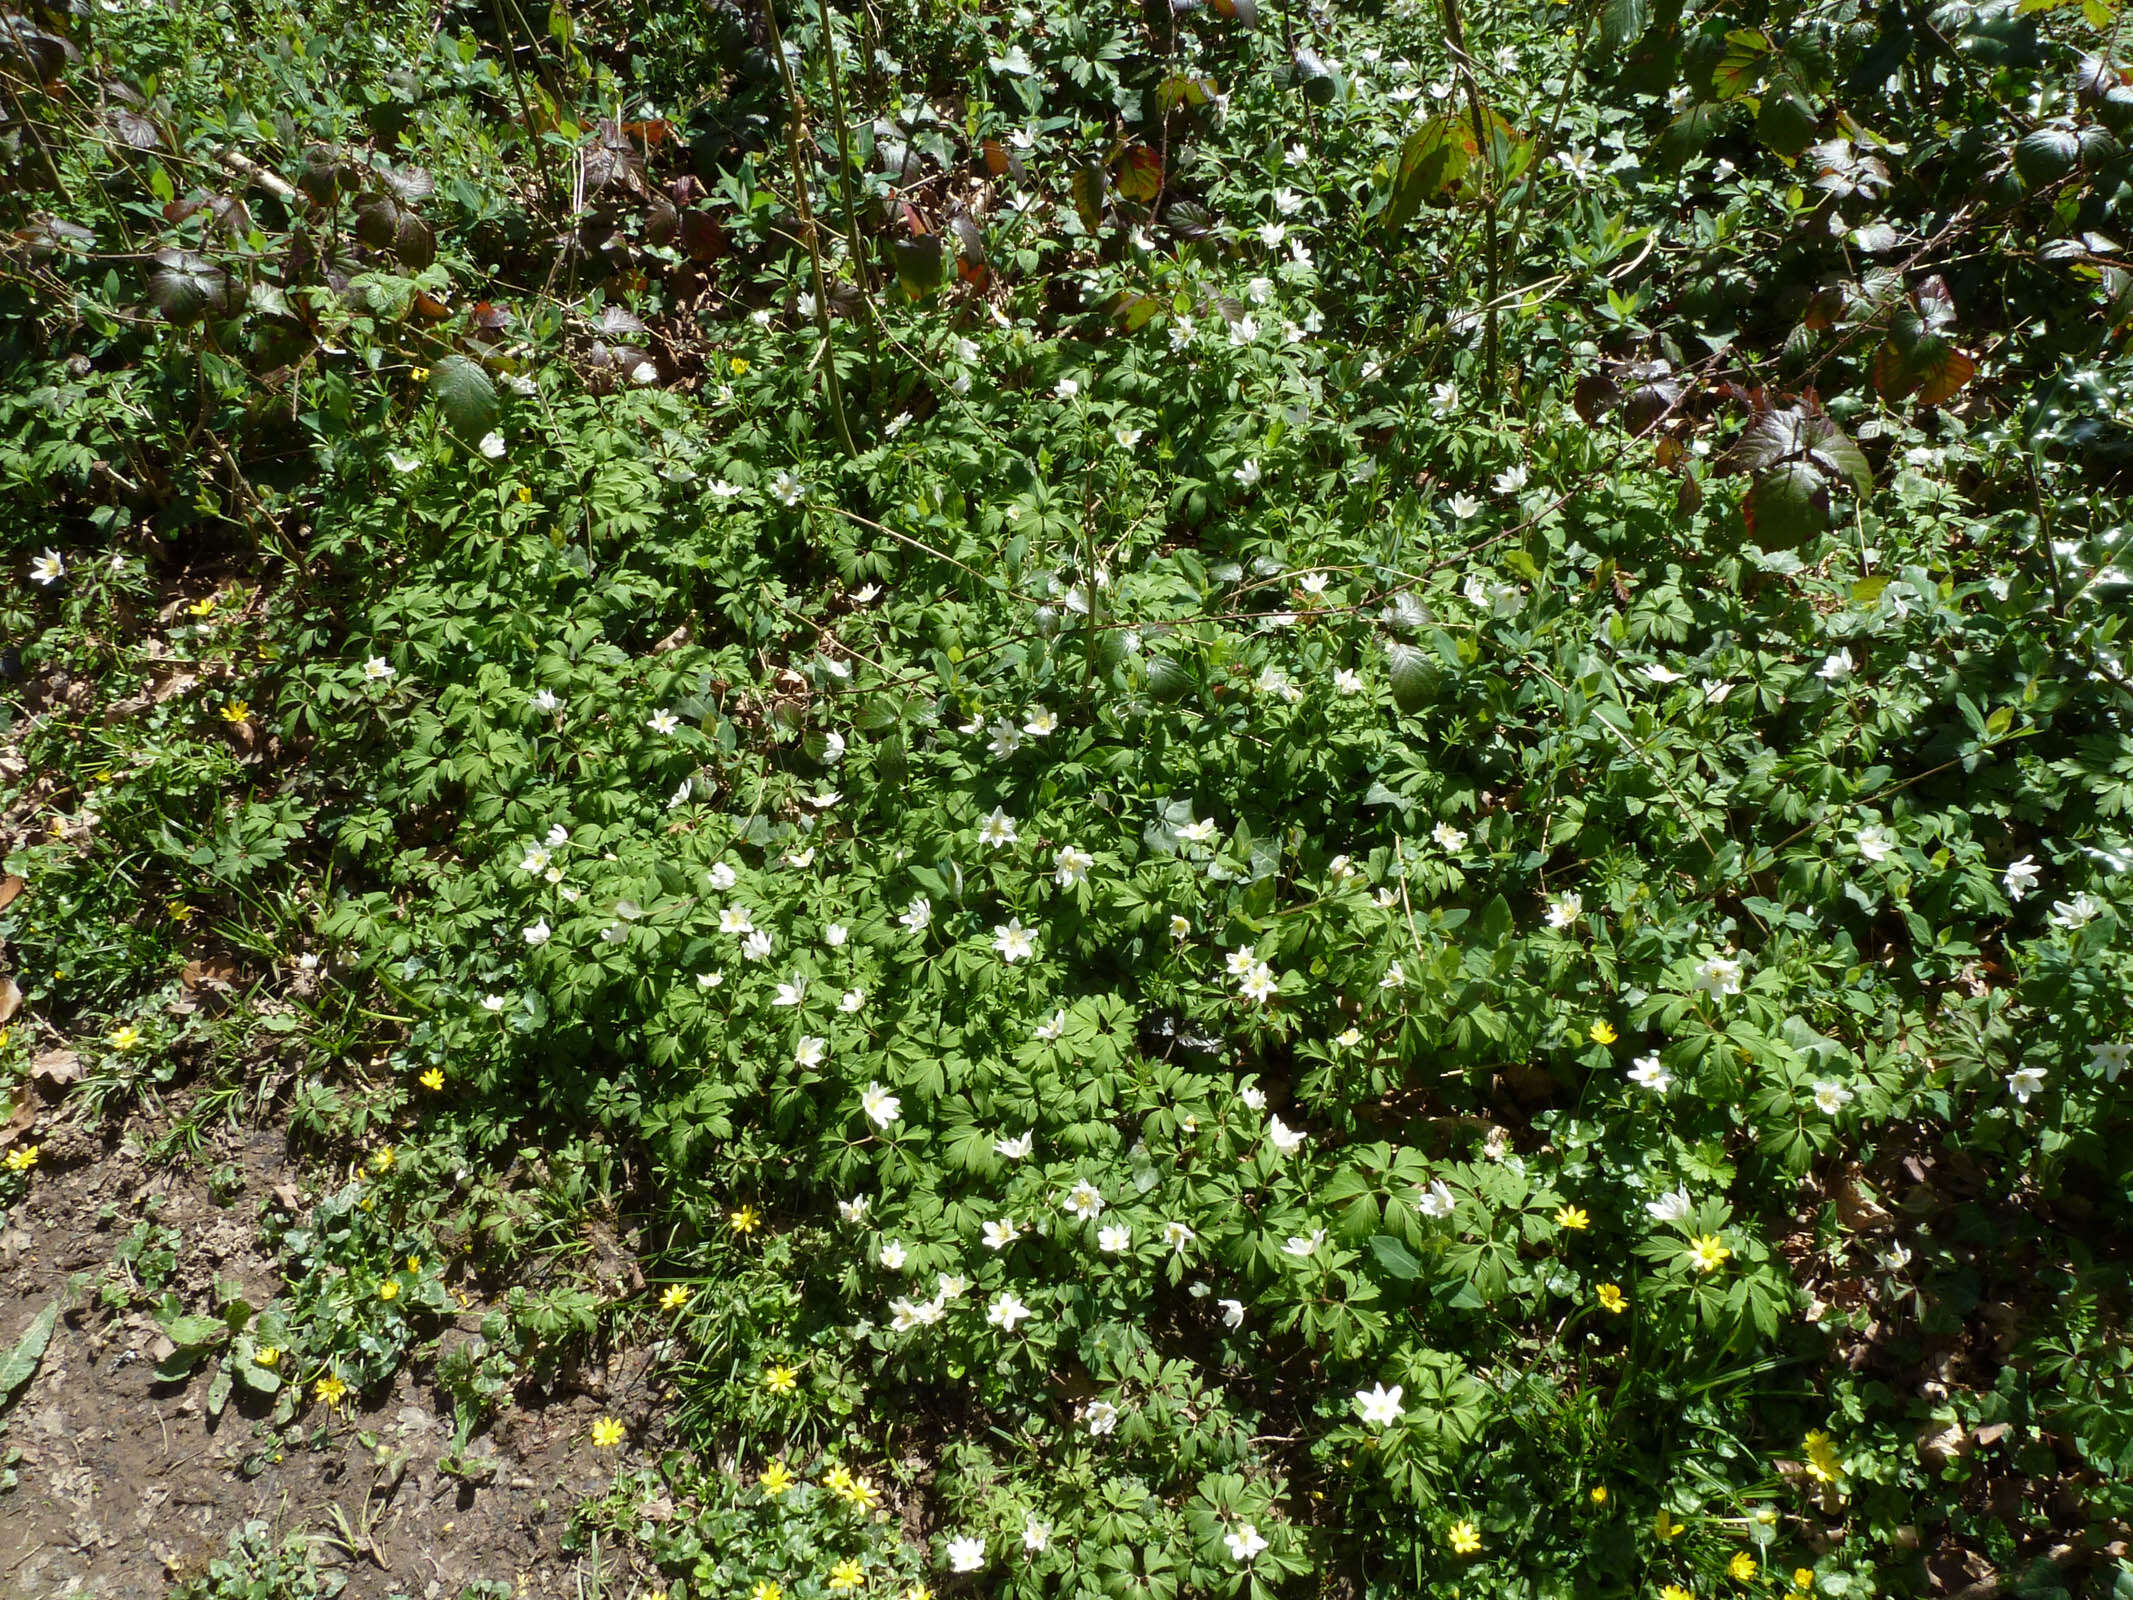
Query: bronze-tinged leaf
(377,220)
(1001,161)
(1090,186)
(1649,404)
(133,129)
(1596,394)
(1938,369)
(1140,174)
(1668,452)
(429,308)
(702,236)
(1786,506)
(1135,311)
(1825,309)
(661,221)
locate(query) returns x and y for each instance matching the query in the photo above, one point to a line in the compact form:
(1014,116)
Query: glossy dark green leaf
(466,397)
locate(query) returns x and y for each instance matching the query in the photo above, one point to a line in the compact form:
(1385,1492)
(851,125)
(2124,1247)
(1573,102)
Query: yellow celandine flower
(863,1494)
(420,374)
(330,1389)
(837,1479)
(1604,1033)
(381,1159)
(846,1575)
(432,1079)
(180,911)
(606,1433)
(1666,1526)
(674,1299)
(780,1380)
(202,606)
(126,1038)
(739,365)
(744,1220)
(1612,1299)
(766,1590)
(525,496)
(1803,1577)
(22,1160)
(237,713)
(267,1355)
(1599,1494)
(389,1290)
(1465,1538)
(918,1591)
(1741,1568)
(775,1479)
(1823,1463)
(1575,1218)
(414,1263)
(1674,1591)
(1708,1252)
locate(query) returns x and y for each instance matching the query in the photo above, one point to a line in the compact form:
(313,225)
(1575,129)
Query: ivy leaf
(466,396)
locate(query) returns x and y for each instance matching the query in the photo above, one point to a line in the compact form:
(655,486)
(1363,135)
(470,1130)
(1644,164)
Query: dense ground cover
(1309,802)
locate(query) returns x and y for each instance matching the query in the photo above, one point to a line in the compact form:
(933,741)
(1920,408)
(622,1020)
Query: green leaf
(1416,678)
(1320,83)
(2046,155)
(1623,22)
(1433,162)
(1168,678)
(1786,124)
(193,1332)
(466,397)
(20,1363)
(1394,1256)
(921,263)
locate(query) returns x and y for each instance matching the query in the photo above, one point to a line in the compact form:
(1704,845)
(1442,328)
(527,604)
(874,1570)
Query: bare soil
(126,1486)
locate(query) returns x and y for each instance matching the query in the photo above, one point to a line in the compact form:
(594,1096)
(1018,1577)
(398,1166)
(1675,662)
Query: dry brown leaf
(10,887)
(55,1069)
(10,998)
(219,971)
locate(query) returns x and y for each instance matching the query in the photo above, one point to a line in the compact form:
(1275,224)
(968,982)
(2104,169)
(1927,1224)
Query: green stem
(794,136)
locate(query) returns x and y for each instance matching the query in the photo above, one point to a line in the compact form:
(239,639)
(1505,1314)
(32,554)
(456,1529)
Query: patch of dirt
(125,1484)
